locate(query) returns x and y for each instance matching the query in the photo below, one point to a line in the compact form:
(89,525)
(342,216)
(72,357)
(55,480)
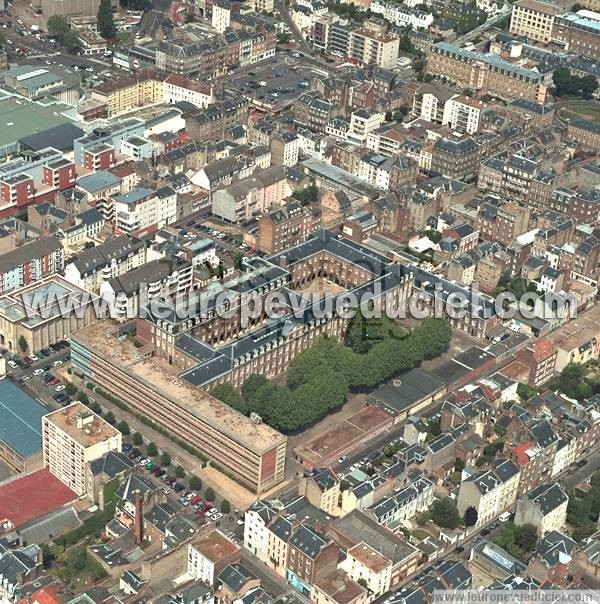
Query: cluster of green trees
(406,44)
(362,334)
(567,84)
(489,452)
(74,565)
(445,514)
(518,541)
(573,382)
(467,17)
(58,27)
(517,285)
(583,509)
(349,11)
(320,378)
(308,195)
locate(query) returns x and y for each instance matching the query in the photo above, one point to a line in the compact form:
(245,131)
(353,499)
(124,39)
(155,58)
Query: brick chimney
(138,526)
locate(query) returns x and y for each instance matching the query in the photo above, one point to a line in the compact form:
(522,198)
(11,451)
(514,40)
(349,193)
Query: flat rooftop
(82,425)
(215,546)
(32,496)
(20,117)
(20,420)
(581,330)
(160,377)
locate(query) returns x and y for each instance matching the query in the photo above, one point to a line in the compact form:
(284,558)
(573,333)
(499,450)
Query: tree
(225,507)
(180,472)
(195,483)
(468,92)
(59,28)
(70,389)
(526,537)
(23,345)
(96,408)
(137,439)
(151,450)
(84,398)
(252,384)
(209,494)
(307,195)
(227,394)
(470,516)
(123,427)
(109,416)
(525,391)
(2,39)
(567,84)
(363,583)
(459,464)
(237,259)
(388,116)
(165,459)
(445,514)
(106,25)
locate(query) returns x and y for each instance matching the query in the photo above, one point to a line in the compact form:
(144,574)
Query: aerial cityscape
(299,301)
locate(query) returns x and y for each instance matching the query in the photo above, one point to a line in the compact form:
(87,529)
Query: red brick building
(59,174)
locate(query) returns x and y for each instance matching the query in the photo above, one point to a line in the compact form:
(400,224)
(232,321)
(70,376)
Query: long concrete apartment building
(250,451)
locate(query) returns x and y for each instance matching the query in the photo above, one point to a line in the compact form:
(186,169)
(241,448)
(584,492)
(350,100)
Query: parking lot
(37,374)
(276,85)
(181,496)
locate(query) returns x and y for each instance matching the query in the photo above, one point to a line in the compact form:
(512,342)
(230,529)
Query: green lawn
(585,110)
(420,534)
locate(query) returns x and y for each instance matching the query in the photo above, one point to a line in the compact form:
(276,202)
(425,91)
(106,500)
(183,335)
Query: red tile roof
(32,496)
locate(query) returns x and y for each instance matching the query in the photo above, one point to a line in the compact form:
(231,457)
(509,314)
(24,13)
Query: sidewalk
(239,497)
(179,456)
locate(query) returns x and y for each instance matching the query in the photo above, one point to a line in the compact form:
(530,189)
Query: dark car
(485,532)
(178,487)
(582,463)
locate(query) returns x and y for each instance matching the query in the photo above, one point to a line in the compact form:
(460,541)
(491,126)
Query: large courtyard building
(486,73)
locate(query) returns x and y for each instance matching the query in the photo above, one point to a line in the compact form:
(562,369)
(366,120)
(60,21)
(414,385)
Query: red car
(196,500)
(206,507)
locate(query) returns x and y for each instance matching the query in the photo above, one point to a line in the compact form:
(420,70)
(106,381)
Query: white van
(504,517)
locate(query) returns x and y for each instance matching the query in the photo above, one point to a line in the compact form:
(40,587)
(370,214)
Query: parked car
(126,447)
(57,362)
(166,490)
(38,371)
(32,357)
(212,511)
(12,364)
(217,516)
(60,388)
(178,487)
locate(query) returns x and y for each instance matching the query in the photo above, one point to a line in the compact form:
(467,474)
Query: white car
(217,516)
(32,357)
(166,490)
(60,388)
(190,496)
(38,371)
(58,362)
(12,364)
(143,461)
(212,511)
